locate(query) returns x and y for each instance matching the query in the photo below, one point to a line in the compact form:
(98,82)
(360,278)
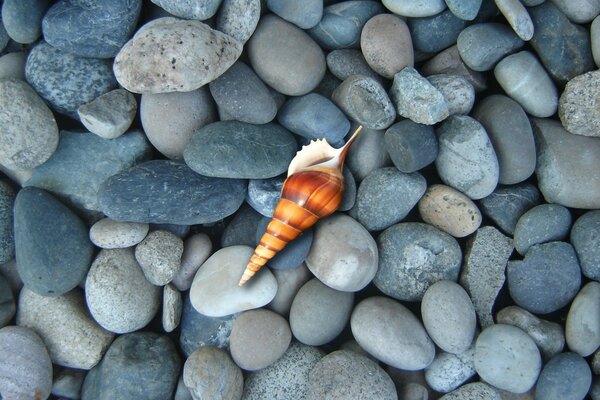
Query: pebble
(475,390)
(344,63)
(564,169)
(483,272)
(314,116)
(365,101)
(541,224)
(583,237)
(435,33)
(417,99)
(595,40)
(566,376)
(304,16)
(233,149)
(293,66)
(576,105)
(413,256)
(582,329)
(464,9)
(292,255)
(170,119)
(73,338)
(215,291)
(512,137)
(482,45)
(67,81)
(391,333)
(345,374)
(449,62)
(368,153)
(22,19)
(449,371)
(172,308)
(67,383)
(505,205)
(182,392)
(159,256)
(91,29)
(548,336)
(241,95)
(563,47)
(343,254)
(386,44)
(196,249)
(242,228)
(410,145)
(507,358)
(7,238)
(458,93)
(287,378)
(264,194)
(140,365)
(386,196)
(178,56)
(12,65)
(342,24)
(25,364)
(110,115)
(238,18)
(110,234)
(190,9)
(415,8)
(209,373)
(159,191)
(29,131)
(517,16)
(289,282)
(51,243)
(7,302)
(449,210)
(466,159)
(579,12)
(547,279)
(118,295)
(258,339)
(94,159)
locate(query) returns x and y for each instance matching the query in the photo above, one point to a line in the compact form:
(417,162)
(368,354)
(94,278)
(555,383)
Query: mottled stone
(458,92)
(565,376)
(578,105)
(109,115)
(209,373)
(449,371)
(482,45)
(476,390)
(435,33)
(109,234)
(584,235)
(507,203)
(264,194)
(582,329)
(172,308)
(238,18)
(7,238)
(542,224)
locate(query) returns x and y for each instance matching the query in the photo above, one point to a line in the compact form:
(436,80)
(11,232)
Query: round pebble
(289,282)
(12,65)
(566,376)
(457,91)
(110,115)
(541,224)
(304,16)
(258,339)
(159,255)
(22,19)
(449,371)
(584,233)
(172,308)
(576,105)
(481,46)
(415,8)
(196,249)
(582,329)
(210,373)
(411,146)
(111,234)
(369,152)
(238,18)
(293,254)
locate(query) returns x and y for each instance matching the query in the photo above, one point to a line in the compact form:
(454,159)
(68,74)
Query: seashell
(312,190)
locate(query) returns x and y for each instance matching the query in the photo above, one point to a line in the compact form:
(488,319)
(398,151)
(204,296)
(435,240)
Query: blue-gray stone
(386,196)
(506,205)
(327,85)
(542,224)
(163,191)
(464,9)
(293,254)
(412,257)
(584,238)
(7,238)
(481,46)
(563,47)
(198,330)
(67,81)
(547,279)
(349,195)
(342,23)
(83,161)
(91,28)
(190,9)
(242,227)
(181,231)
(411,146)
(314,116)
(140,365)
(436,33)
(303,14)
(8,306)
(23,19)
(4,38)
(51,243)
(263,194)
(567,376)
(344,63)
(233,149)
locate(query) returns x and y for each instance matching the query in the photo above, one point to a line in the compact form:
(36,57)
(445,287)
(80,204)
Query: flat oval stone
(449,371)
(507,358)
(22,19)
(391,333)
(215,291)
(293,66)
(582,329)
(304,17)
(238,18)
(565,376)
(464,9)
(343,254)
(415,8)
(575,107)
(109,234)
(29,134)
(117,293)
(481,46)
(176,55)
(411,146)
(109,115)
(584,232)
(210,373)
(159,191)
(190,9)
(196,249)
(159,256)
(67,81)
(435,33)
(232,149)
(293,254)
(542,224)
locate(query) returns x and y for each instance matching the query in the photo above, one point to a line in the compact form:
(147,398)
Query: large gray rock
(7,236)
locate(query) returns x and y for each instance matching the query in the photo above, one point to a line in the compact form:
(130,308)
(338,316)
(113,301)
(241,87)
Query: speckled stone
(584,234)
(209,373)
(410,145)
(476,390)
(238,18)
(109,234)
(582,329)
(482,45)
(346,62)
(7,238)
(449,62)
(542,224)
(458,92)
(449,371)
(172,308)
(109,115)
(577,105)
(464,9)
(435,33)
(159,256)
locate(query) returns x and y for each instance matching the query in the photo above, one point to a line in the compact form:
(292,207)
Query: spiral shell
(313,190)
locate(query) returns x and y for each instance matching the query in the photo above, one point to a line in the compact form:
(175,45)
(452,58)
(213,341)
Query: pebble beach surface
(144,145)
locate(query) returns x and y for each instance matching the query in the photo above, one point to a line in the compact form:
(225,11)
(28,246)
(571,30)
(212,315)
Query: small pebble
(448,371)
(576,107)
(435,33)
(482,45)
(449,62)
(541,224)
(304,16)
(289,282)
(209,373)
(584,234)
(415,8)
(369,152)
(190,9)
(196,249)
(12,65)
(566,376)
(238,18)
(344,63)
(159,256)
(464,9)
(293,254)
(476,390)
(172,308)
(505,205)
(458,93)
(582,329)
(411,146)
(517,16)
(110,115)
(110,234)
(22,19)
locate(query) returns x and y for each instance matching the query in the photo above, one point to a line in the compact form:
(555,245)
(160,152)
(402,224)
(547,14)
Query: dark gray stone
(567,376)
(481,46)
(140,365)
(344,63)
(23,19)
(547,279)
(91,28)
(232,149)
(190,9)
(7,239)
(542,224)
(8,305)
(433,34)
(506,205)
(83,161)
(162,191)
(67,81)
(51,243)
(305,14)
(349,196)
(368,153)
(342,23)
(584,238)
(411,146)
(241,228)
(464,9)
(263,194)
(292,255)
